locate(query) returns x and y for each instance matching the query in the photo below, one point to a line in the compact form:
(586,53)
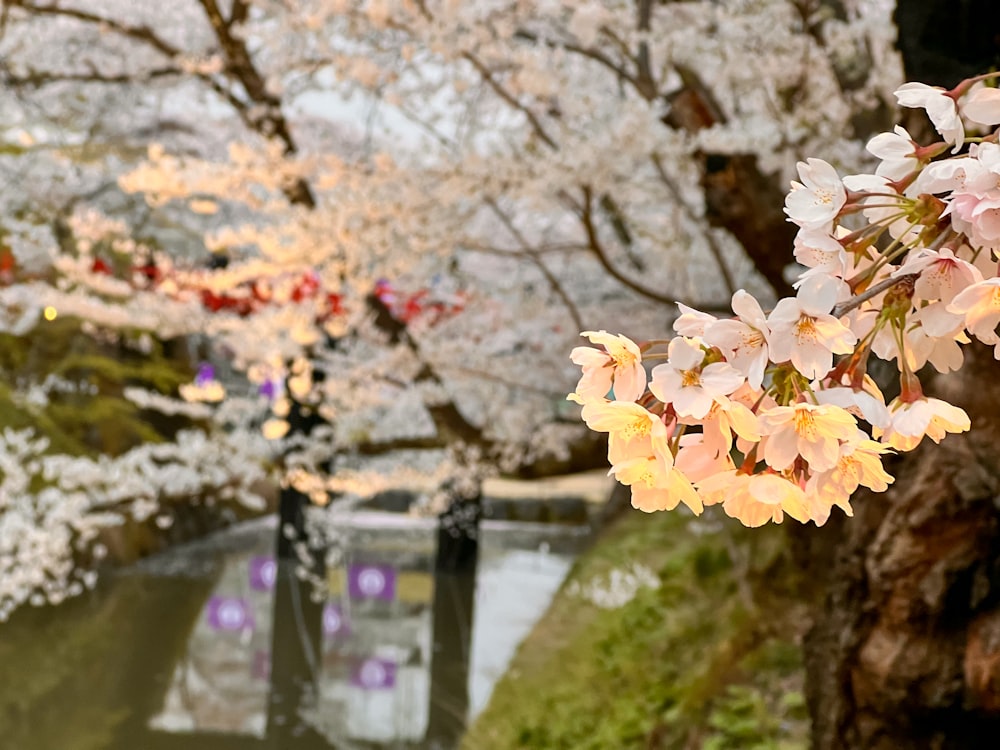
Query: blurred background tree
(397,215)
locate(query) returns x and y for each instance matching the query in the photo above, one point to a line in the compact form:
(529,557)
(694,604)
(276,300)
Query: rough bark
(904,651)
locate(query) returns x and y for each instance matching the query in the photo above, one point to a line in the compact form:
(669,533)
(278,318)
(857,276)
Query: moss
(93,417)
(709,659)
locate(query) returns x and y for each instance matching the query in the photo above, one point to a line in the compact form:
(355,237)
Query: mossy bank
(705,654)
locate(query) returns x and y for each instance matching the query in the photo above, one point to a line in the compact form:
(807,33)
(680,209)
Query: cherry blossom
(633,430)
(979,304)
(806,430)
(618,368)
(656,487)
(802,331)
(983,106)
(940,107)
(912,420)
(689,385)
(859,464)
(905,281)
(814,202)
(744,340)
(897,153)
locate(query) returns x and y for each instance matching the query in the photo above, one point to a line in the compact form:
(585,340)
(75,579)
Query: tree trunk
(904,651)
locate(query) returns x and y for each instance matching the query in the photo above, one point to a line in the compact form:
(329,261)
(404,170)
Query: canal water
(189,650)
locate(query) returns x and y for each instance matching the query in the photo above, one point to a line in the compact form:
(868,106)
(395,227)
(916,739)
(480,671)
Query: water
(188,650)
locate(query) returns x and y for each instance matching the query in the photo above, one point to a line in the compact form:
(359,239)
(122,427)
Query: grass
(708,659)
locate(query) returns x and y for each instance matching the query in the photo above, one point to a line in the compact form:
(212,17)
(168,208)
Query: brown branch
(38,78)
(384,447)
(560,292)
(645,83)
(500,91)
(589,52)
(139,33)
(738,196)
(586,217)
(448,420)
(238,13)
(873,291)
(271,122)
(713,245)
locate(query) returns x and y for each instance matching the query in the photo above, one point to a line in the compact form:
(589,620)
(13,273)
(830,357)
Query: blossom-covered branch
(774,414)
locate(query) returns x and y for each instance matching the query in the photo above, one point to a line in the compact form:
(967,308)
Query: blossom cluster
(774,413)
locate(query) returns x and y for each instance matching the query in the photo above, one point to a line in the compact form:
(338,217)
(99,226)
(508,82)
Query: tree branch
(500,91)
(533,256)
(39,78)
(873,291)
(138,33)
(589,52)
(713,246)
(586,217)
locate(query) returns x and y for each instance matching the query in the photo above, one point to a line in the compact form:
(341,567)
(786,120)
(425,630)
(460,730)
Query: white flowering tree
(391,219)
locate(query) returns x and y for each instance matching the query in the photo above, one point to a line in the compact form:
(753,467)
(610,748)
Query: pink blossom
(816,201)
(812,432)
(911,420)
(980,304)
(803,332)
(896,150)
(688,385)
(618,367)
(743,341)
(940,109)
(983,106)
(656,487)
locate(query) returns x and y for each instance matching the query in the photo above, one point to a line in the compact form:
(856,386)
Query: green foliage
(87,414)
(709,659)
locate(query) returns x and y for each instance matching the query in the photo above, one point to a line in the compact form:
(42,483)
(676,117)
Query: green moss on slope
(709,659)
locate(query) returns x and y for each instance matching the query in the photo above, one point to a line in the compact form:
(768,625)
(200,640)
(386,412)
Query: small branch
(591,53)
(500,91)
(571,307)
(38,79)
(138,33)
(587,219)
(645,84)
(856,301)
(713,245)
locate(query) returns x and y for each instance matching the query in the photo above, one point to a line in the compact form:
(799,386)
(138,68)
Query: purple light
(374,674)
(228,613)
(371,582)
(206,374)
(268,389)
(334,622)
(263,572)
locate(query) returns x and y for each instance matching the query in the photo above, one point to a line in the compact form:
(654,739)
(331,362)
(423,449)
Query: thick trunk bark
(904,651)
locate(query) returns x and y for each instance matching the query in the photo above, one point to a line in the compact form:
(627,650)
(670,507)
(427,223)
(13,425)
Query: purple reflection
(206,374)
(228,613)
(334,622)
(269,389)
(374,674)
(260,667)
(371,582)
(263,572)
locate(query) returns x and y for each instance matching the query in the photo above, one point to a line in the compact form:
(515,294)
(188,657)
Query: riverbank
(671,632)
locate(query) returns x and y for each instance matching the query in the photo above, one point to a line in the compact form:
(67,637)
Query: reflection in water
(195,655)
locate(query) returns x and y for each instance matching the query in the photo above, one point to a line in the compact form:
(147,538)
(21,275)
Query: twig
(713,245)
(856,301)
(533,256)
(586,216)
(508,97)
